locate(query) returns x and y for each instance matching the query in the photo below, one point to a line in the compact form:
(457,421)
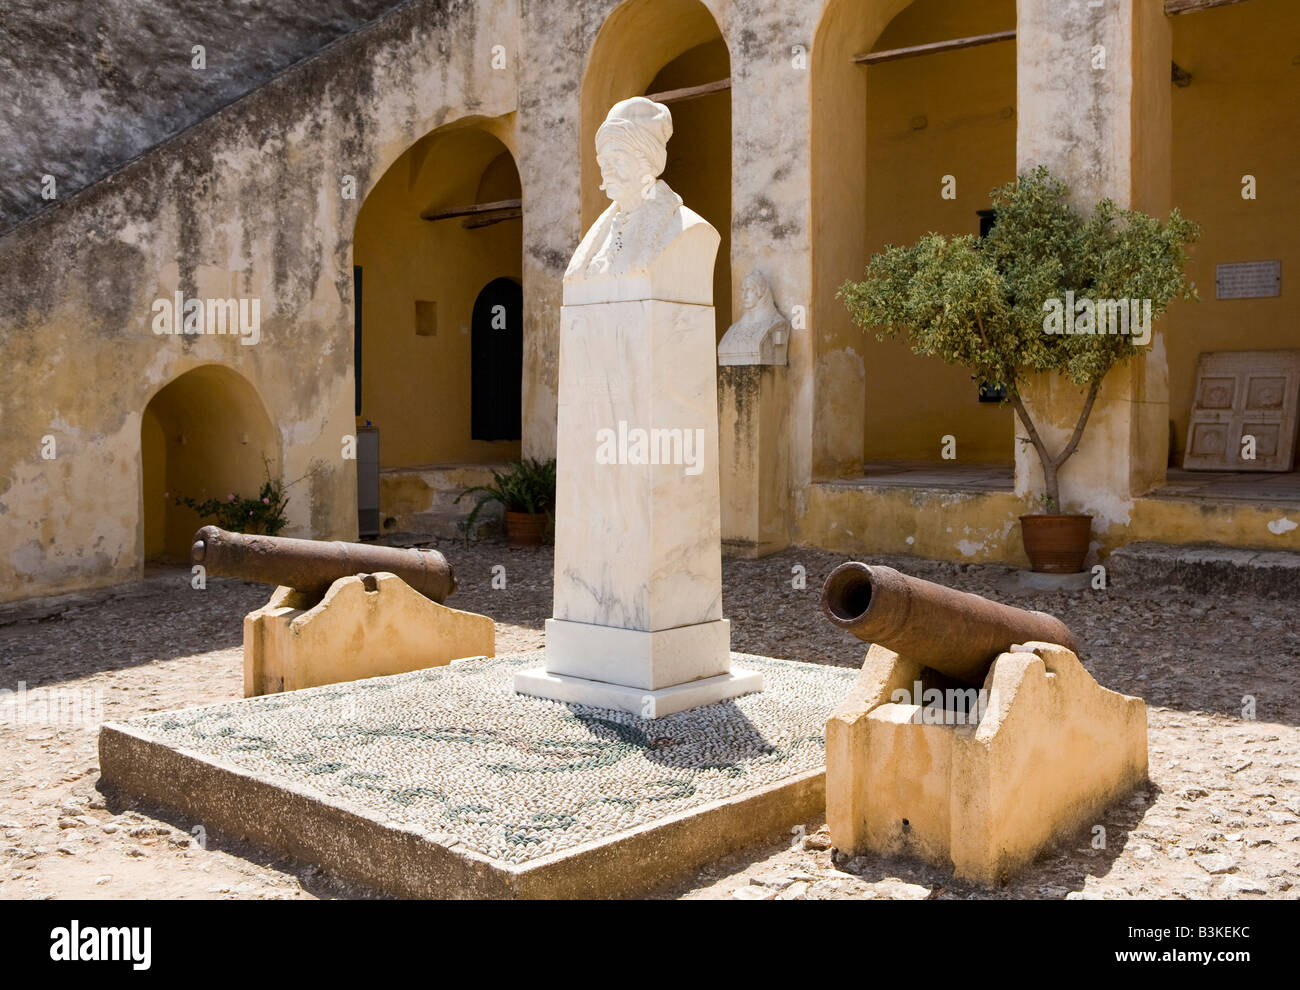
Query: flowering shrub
(263,514)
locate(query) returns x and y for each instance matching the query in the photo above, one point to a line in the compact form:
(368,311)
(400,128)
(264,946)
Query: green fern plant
(527,485)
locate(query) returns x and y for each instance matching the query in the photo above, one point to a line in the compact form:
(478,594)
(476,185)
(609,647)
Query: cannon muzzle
(953,632)
(311,566)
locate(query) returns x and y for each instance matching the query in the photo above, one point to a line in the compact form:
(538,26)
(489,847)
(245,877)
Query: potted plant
(1029,298)
(526,491)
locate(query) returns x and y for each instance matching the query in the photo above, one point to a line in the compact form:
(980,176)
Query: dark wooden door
(497,361)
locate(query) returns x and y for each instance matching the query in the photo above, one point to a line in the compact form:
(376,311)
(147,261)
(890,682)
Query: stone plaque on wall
(1248,280)
(1244,394)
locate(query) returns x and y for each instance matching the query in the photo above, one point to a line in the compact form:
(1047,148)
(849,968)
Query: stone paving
(1221,675)
(454,752)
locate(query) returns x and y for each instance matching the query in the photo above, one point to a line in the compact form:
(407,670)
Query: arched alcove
(443,221)
(205,434)
(884,138)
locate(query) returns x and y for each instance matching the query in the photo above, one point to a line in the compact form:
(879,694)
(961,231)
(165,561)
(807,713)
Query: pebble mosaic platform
(453,753)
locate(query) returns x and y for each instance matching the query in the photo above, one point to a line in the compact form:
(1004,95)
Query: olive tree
(1045,291)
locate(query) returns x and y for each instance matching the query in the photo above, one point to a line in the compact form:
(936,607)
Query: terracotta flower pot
(1056,544)
(522,530)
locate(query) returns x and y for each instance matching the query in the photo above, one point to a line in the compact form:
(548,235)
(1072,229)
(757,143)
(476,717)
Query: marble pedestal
(637,620)
(543,682)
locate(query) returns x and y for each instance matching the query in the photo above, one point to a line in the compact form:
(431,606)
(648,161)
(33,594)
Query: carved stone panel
(1245,400)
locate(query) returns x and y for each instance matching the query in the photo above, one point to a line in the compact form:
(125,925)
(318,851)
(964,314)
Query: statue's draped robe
(622,245)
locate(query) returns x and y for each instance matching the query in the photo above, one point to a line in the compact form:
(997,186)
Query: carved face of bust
(624,175)
(632,149)
(752,291)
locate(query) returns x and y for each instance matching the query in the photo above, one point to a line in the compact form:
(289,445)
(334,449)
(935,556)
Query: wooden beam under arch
(690,92)
(893,54)
(1191,6)
(476,210)
(488,219)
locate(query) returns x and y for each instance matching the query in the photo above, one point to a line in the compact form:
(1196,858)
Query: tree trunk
(1052,465)
(1051,485)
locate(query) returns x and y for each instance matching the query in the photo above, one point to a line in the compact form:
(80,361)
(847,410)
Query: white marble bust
(762,334)
(646,245)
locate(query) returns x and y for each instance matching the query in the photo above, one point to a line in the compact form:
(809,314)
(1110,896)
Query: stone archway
(430,234)
(884,136)
(205,434)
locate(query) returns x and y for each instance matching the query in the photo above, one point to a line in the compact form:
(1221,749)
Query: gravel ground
(1219,818)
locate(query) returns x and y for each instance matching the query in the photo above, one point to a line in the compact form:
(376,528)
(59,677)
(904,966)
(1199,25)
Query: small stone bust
(762,334)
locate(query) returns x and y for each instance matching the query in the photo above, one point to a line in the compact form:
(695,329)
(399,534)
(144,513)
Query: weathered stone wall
(246,203)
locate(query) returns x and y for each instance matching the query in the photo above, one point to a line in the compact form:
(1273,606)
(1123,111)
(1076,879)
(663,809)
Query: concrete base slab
(445,783)
(540,683)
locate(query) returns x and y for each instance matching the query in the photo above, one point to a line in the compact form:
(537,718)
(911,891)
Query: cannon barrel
(954,632)
(311,566)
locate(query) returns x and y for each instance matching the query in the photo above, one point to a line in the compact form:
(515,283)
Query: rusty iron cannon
(954,632)
(311,566)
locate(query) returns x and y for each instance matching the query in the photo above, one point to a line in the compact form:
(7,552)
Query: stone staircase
(1210,569)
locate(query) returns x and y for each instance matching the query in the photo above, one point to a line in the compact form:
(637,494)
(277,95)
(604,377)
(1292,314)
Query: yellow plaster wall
(1236,524)
(838,159)
(699,154)
(416,389)
(1239,116)
(984,527)
(854,518)
(153,458)
(968,99)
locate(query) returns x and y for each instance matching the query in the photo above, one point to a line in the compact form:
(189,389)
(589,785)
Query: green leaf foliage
(263,514)
(525,486)
(979,303)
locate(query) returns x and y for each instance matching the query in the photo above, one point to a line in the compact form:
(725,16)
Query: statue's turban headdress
(641,125)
